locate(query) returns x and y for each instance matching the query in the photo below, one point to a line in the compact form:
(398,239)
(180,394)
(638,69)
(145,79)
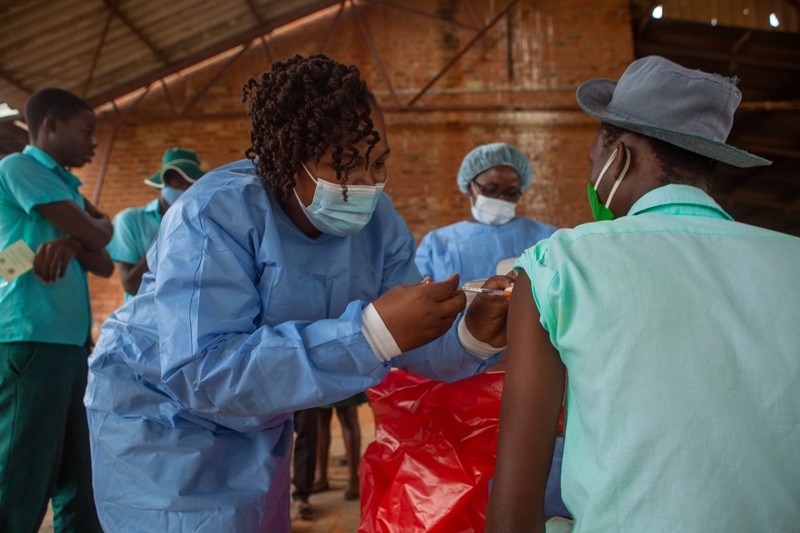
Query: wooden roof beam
(363,28)
(252,7)
(99,50)
(215,78)
(329,34)
(223,46)
(464,50)
(794,3)
(423,14)
(647,17)
(112,6)
(776,63)
(7,77)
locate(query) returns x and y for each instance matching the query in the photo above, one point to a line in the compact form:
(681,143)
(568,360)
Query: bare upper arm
(532,395)
(73,220)
(131,275)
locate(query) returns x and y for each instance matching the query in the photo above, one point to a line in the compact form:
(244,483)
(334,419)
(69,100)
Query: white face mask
(492,211)
(171,194)
(331,214)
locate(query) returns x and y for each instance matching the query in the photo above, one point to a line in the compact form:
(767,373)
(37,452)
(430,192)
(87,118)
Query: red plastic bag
(433,456)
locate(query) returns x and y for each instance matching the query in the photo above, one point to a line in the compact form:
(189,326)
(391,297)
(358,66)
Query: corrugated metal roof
(102,49)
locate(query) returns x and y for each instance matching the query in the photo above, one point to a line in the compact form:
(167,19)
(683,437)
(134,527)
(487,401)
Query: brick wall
(516,84)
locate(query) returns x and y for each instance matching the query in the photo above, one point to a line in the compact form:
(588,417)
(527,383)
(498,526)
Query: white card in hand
(15,260)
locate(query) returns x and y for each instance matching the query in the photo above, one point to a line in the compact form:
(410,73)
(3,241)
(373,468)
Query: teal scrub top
(135,229)
(678,329)
(29,309)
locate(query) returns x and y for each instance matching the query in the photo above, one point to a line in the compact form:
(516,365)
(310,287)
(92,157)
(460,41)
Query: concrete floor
(333,514)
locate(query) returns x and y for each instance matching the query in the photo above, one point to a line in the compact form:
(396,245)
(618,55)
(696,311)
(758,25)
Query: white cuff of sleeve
(378,335)
(481,349)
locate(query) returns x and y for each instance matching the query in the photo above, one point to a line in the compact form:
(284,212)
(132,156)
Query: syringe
(481,290)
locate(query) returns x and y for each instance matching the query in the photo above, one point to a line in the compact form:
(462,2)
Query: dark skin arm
(418,313)
(486,317)
(91,227)
(88,231)
(98,262)
(531,404)
(131,275)
(53,257)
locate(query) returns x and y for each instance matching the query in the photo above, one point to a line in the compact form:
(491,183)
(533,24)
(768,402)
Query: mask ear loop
(621,175)
(294,189)
(605,168)
(474,191)
(308,172)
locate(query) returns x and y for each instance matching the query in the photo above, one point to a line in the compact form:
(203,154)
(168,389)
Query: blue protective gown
(473,249)
(242,320)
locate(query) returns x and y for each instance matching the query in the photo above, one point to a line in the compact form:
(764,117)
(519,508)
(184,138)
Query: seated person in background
(135,228)
(493,176)
(678,327)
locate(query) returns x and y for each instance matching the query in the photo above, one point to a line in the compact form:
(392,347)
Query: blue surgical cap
(487,156)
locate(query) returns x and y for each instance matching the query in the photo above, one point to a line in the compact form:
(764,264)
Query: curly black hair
(298,110)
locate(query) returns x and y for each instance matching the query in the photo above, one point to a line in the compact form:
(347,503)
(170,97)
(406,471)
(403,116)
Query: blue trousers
(553,504)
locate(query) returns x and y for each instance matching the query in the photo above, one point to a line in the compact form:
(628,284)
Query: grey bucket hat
(661,99)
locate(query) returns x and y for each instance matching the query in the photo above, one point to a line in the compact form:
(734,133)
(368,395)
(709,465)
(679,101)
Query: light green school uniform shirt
(135,229)
(29,309)
(679,330)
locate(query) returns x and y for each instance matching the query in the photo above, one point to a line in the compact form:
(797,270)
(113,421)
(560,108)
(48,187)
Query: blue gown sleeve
(438,254)
(423,258)
(443,359)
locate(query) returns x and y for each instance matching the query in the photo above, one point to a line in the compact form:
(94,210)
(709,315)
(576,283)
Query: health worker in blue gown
(493,176)
(277,283)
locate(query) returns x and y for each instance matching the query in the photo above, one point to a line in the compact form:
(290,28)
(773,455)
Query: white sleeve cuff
(481,349)
(378,335)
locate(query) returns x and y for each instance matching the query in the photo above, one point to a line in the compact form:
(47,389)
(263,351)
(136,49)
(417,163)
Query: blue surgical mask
(600,211)
(171,194)
(331,214)
(492,211)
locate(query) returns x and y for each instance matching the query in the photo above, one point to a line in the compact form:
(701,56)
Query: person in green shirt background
(45,319)
(135,228)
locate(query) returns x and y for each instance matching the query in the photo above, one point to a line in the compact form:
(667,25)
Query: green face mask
(600,211)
